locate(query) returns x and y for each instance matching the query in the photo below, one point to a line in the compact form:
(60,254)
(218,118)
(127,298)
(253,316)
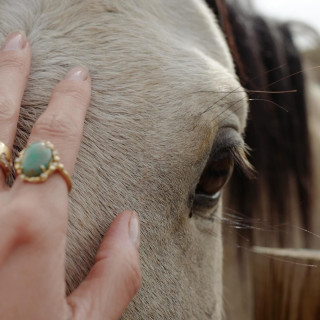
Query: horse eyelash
(239,154)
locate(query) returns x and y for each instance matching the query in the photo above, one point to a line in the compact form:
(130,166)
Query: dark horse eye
(215,175)
(227,151)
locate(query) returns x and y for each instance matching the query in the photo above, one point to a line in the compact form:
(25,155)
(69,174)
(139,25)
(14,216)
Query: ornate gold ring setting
(5,159)
(38,161)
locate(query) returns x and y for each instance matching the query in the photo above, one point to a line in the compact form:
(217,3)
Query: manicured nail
(77,74)
(15,41)
(134,229)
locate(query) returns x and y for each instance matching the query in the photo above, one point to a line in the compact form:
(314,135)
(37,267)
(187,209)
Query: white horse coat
(161,73)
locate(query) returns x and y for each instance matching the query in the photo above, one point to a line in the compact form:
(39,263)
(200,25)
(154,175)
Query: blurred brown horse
(278,211)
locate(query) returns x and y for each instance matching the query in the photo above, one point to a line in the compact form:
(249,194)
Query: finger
(34,217)
(62,125)
(15,60)
(37,213)
(115,278)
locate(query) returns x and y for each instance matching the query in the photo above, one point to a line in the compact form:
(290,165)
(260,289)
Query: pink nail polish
(14,41)
(134,229)
(77,74)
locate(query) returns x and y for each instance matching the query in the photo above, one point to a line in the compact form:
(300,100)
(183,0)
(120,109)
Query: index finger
(15,60)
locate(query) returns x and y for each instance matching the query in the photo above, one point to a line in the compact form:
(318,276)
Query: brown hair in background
(266,58)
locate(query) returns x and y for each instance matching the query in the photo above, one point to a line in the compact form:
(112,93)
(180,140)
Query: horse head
(162,135)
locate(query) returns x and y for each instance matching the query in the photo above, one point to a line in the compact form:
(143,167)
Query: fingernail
(15,41)
(77,74)
(134,229)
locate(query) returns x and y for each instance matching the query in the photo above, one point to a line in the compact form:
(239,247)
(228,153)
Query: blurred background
(307,11)
(305,18)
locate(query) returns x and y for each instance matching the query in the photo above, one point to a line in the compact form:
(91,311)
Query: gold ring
(5,159)
(38,161)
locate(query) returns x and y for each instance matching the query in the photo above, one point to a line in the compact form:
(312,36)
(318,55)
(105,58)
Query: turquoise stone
(35,156)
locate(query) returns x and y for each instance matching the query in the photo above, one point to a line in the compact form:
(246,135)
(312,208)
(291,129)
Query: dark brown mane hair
(267,58)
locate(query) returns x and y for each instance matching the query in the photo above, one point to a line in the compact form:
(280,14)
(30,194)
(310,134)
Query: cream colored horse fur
(156,66)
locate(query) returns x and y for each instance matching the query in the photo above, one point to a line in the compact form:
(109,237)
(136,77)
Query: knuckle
(27,221)
(14,60)
(72,90)
(57,125)
(136,279)
(133,275)
(8,111)
(130,269)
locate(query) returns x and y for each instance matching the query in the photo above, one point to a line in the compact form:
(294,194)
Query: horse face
(165,98)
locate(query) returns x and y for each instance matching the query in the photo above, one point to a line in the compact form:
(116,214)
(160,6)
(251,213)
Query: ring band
(38,161)
(5,159)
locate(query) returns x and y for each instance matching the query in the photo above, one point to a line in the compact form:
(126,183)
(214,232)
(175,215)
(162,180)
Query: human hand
(33,219)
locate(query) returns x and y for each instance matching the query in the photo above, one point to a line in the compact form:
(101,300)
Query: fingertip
(134,229)
(116,275)
(14,41)
(78,73)
(122,242)
(126,225)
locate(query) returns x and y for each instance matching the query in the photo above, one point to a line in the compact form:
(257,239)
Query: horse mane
(268,60)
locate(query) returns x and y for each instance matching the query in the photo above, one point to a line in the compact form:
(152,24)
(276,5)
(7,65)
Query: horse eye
(215,175)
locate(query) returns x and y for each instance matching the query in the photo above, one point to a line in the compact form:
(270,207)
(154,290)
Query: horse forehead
(157,59)
(186,54)
(190,23)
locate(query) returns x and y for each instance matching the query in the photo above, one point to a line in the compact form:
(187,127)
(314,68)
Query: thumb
(115,277)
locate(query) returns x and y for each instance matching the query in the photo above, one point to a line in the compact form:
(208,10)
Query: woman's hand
(33,217)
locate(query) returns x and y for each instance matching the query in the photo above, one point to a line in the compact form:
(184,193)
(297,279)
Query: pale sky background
(304,10)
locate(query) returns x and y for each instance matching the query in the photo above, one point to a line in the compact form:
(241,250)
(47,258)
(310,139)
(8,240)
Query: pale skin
(33,219)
